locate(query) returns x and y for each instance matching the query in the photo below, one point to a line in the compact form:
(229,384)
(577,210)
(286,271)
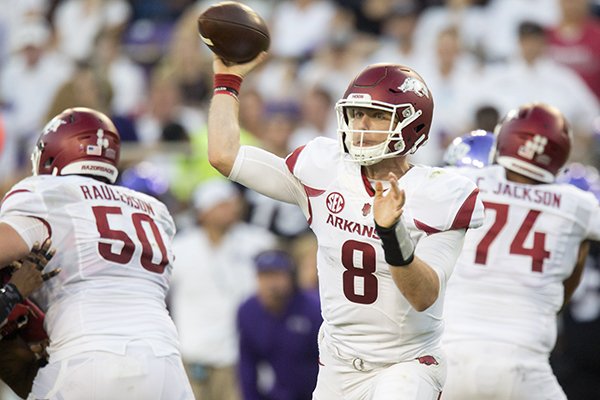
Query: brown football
(233,31)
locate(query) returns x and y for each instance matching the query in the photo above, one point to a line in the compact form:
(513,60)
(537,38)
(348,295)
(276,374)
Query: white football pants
(98,375)
(353,379)
(498,371)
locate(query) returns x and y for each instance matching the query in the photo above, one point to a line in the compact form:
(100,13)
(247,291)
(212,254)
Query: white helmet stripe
(95,168)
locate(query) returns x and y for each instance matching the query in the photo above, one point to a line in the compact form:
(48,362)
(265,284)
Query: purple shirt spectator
(278,346)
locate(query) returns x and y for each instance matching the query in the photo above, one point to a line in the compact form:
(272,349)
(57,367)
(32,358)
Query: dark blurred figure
(166,118)
(370,14)
(280,121)
(486,118)
(278,330)
(397,41)
(158,10)
(576,359)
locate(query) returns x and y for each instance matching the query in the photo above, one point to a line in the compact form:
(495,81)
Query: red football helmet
(392,88)
(78,141)
(534,141)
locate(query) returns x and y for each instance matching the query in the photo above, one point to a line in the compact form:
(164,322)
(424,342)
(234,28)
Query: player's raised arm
(223,124)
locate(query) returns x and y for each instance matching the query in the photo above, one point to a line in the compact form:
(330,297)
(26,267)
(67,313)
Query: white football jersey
(365,314)
(508,282)
(114,248)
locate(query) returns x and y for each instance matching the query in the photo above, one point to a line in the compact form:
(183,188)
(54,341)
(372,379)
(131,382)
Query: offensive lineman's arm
(571,283)
(12,245)
(26,277)
(18,235)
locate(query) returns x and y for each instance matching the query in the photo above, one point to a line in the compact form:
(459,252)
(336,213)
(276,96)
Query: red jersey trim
(42,220)
(290,162)
(308,191)
(425,228)
(48,227)
(292,158)
(312,192)
(14,192)
(463,217)
(367,184)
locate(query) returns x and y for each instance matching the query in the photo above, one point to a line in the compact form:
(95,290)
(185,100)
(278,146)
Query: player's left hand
(387,209)
(27,273)
(39,257)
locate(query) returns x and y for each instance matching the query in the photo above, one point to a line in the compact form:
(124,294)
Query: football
(233,31)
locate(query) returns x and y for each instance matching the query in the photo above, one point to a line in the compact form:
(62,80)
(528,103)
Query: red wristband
(227,84)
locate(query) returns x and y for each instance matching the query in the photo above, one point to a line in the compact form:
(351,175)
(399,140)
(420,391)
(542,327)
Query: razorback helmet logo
(414,85)
(534,141)
(78,141)
(53,125)
(395,89)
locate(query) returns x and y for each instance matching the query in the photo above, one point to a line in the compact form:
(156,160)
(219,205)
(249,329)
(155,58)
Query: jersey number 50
(124,256)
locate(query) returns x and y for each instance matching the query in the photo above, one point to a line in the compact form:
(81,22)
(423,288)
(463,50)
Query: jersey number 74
(537,252)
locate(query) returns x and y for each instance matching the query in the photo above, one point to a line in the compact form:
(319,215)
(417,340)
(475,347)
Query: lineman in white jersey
(389,232)
(110,334)
(517,271)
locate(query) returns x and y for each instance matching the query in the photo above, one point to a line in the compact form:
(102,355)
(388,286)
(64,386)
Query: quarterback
(388,232)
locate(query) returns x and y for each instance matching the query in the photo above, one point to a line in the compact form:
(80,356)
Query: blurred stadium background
(143,64)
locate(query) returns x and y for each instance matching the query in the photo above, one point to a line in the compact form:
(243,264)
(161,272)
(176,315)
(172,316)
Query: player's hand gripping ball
(234,32)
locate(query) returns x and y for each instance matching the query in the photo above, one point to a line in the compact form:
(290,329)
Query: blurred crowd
(143,64)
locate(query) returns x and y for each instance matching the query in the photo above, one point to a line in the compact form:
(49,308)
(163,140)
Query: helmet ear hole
(49,162)
(419,128)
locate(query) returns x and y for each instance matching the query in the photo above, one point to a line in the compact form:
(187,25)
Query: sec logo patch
(335,202)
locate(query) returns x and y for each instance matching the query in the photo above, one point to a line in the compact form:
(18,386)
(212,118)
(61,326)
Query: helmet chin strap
(417,144)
